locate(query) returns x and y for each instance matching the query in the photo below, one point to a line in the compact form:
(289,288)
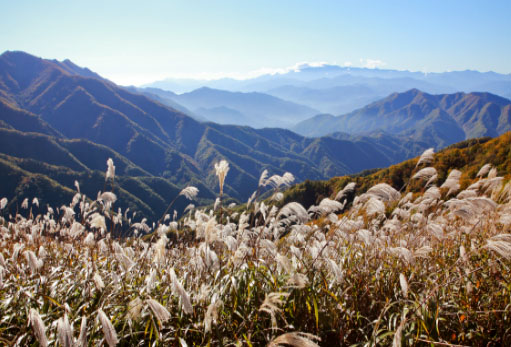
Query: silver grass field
(388,268)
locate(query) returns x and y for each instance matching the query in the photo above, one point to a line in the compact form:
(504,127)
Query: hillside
(467,156)
(439,120)
(42,167)
(15,118)
(53,102)
(387,269)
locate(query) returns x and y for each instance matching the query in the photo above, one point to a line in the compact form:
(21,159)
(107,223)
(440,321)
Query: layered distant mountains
(257,110)
(60,122)
(337,89)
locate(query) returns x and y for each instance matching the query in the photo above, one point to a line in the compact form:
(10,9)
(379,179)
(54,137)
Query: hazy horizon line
(265,71)
(140,79)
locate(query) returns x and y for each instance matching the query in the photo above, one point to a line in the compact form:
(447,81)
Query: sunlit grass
(392,269)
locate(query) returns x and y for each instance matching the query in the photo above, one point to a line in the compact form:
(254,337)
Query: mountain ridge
(159,141)
(469,115)
(157,145)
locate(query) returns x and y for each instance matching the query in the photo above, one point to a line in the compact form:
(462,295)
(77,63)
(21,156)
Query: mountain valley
(60,123)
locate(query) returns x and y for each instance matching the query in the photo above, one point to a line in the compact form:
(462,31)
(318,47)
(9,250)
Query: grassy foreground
(393,269)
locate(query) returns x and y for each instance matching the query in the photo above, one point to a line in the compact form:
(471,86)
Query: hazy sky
(132,42)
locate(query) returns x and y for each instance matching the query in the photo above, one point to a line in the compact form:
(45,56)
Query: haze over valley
(332,89)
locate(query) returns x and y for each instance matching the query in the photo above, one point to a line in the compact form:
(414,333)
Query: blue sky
(133,42)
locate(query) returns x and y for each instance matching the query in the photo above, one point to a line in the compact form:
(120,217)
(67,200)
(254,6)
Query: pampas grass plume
(178,290)
(82,339)
(189,192)
(426,157)
(500,244)
(65,332)
(404,285)
(160,312)
(110,172)
(295,339)
(134,309)
(222,168)
(108,329)
(271,304)
(38,327)
(212,314)
(98,281)
(3,203)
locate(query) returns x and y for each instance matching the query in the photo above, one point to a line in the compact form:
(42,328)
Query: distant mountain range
(257,110)
(439,120)
(337,89)
(60,122)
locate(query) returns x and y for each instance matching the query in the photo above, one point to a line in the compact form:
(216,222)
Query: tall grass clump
(383,268)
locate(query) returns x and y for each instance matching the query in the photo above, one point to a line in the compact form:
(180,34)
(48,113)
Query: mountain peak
(20,70)
(204,89)
(399,100)
(17,54)
(414,91)
(19,65)
(20,58)
(410,93)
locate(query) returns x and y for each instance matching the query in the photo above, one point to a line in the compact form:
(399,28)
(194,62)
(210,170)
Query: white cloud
(305,64)
(141,79)
(280,71)
(372,63)
(254,73)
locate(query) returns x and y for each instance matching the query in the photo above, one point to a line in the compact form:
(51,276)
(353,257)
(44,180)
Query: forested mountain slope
(59,114)
(467,156)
